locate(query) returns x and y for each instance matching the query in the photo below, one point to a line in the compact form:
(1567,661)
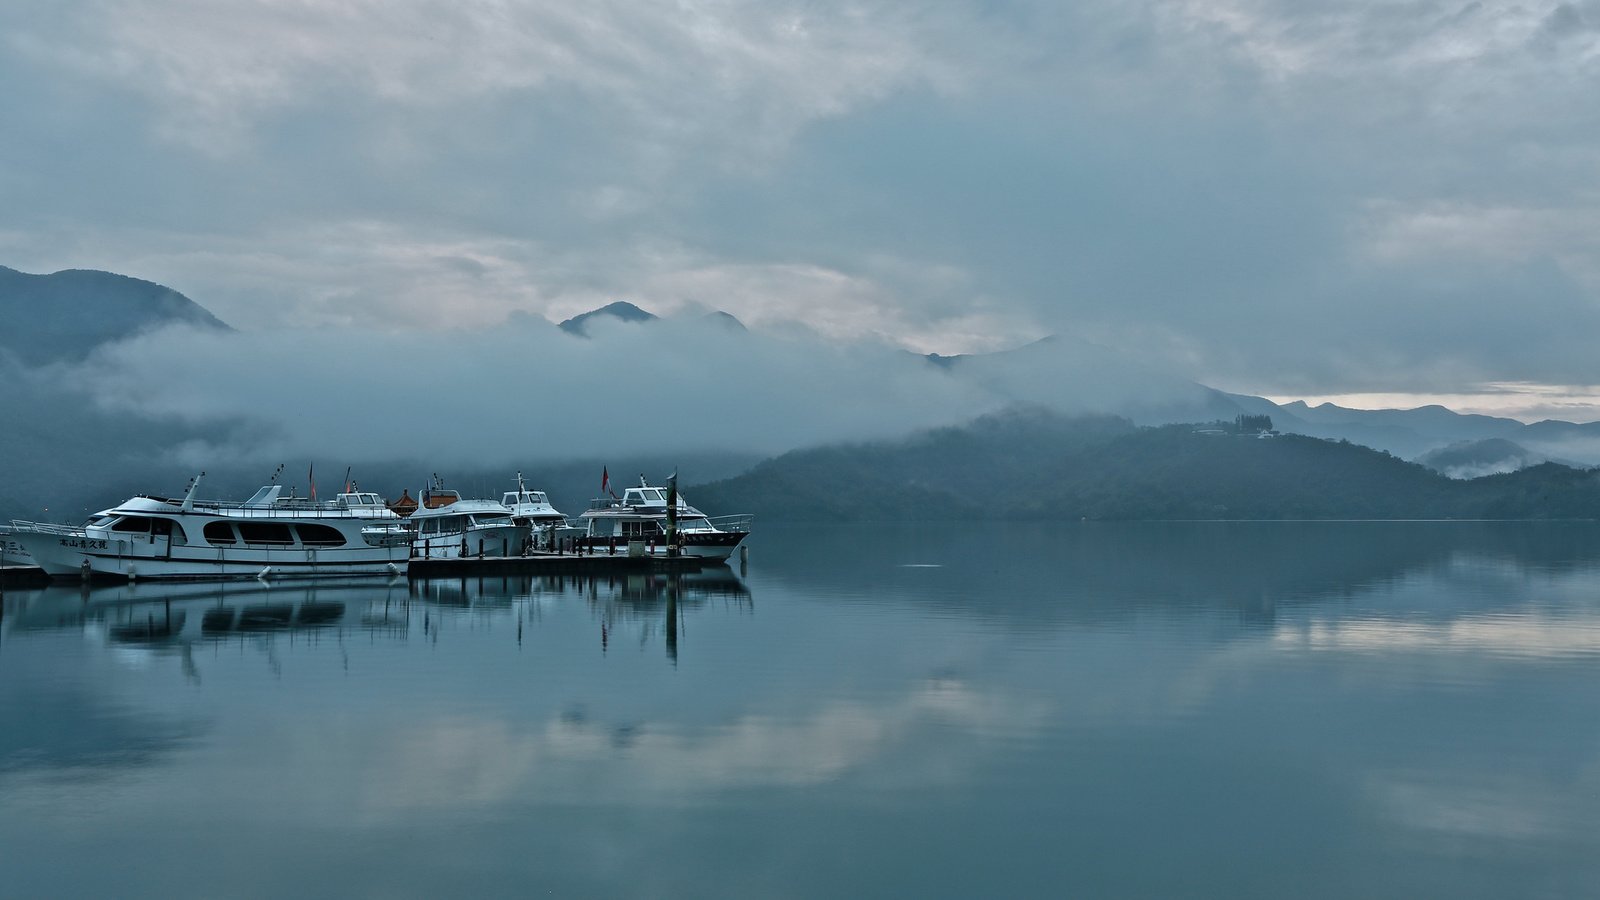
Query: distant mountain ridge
(66,314)
(1038,465)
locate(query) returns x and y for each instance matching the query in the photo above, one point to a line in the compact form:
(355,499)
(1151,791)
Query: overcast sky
(1276,197)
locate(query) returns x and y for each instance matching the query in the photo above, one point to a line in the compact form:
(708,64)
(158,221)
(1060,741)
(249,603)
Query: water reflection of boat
(643,590)
(153,614)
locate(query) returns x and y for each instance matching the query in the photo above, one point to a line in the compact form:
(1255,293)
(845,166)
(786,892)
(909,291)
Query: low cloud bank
(525,390)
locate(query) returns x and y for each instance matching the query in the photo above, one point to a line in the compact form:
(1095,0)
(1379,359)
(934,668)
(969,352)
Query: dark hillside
(1037,465)
(45,318)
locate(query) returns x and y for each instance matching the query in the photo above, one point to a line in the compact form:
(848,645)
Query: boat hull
(714,545)
(77,556)
(11,551)
(480,540)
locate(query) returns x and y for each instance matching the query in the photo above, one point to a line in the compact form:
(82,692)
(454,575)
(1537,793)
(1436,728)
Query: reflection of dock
(537,564)
(555,564)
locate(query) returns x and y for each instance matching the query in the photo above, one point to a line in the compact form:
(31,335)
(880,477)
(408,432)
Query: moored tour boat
(639,521)
(447,527)
(269,535)
(533,509)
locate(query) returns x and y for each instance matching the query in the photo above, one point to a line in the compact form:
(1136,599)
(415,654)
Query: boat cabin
(514,499)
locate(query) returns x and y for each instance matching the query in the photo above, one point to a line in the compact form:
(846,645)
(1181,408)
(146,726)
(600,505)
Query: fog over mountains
(114,385)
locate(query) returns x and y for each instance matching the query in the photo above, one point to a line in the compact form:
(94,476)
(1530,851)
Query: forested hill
(46,318)
(1033,464)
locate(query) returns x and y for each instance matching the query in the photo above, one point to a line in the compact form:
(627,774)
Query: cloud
(464,763)
(1283,199)
(216,70)
(527,390)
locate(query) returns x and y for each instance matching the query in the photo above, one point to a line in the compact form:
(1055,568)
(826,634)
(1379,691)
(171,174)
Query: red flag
(311,476)
(605,481)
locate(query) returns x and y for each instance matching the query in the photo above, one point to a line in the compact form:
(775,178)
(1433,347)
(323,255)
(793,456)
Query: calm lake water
(1149,710)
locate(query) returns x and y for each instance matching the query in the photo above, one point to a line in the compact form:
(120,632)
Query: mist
(522,391)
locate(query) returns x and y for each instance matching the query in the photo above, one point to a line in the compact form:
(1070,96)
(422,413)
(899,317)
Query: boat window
(219,533)
(491,518)
(509,499)
(445,524)
(100,521)
(265,533)
(132,525)
(602,527)
(646,528)
(314,534)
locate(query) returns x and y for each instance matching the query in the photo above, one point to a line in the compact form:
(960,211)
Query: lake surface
(1150,710)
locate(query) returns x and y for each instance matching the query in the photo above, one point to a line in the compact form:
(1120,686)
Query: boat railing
(284,507)
(46,527)
(738,522)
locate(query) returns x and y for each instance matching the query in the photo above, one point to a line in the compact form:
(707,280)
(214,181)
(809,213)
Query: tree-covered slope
(44,318)
(1037,465)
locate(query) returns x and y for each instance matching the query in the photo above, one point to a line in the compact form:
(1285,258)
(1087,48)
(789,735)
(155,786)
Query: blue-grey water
(1142,710)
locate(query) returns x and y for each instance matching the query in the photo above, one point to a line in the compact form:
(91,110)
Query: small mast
(188,496)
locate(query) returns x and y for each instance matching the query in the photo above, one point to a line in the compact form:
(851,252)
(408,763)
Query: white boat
(269,535)
(638,523)
(533,509)
(448,527)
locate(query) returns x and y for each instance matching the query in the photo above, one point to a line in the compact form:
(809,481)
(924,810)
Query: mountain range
(1036,464)
(64,316)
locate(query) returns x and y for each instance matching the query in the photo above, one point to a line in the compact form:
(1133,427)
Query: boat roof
(645,500)
(268,501)
(462,506)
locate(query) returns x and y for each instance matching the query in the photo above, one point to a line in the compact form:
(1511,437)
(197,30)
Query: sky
(1334,200)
